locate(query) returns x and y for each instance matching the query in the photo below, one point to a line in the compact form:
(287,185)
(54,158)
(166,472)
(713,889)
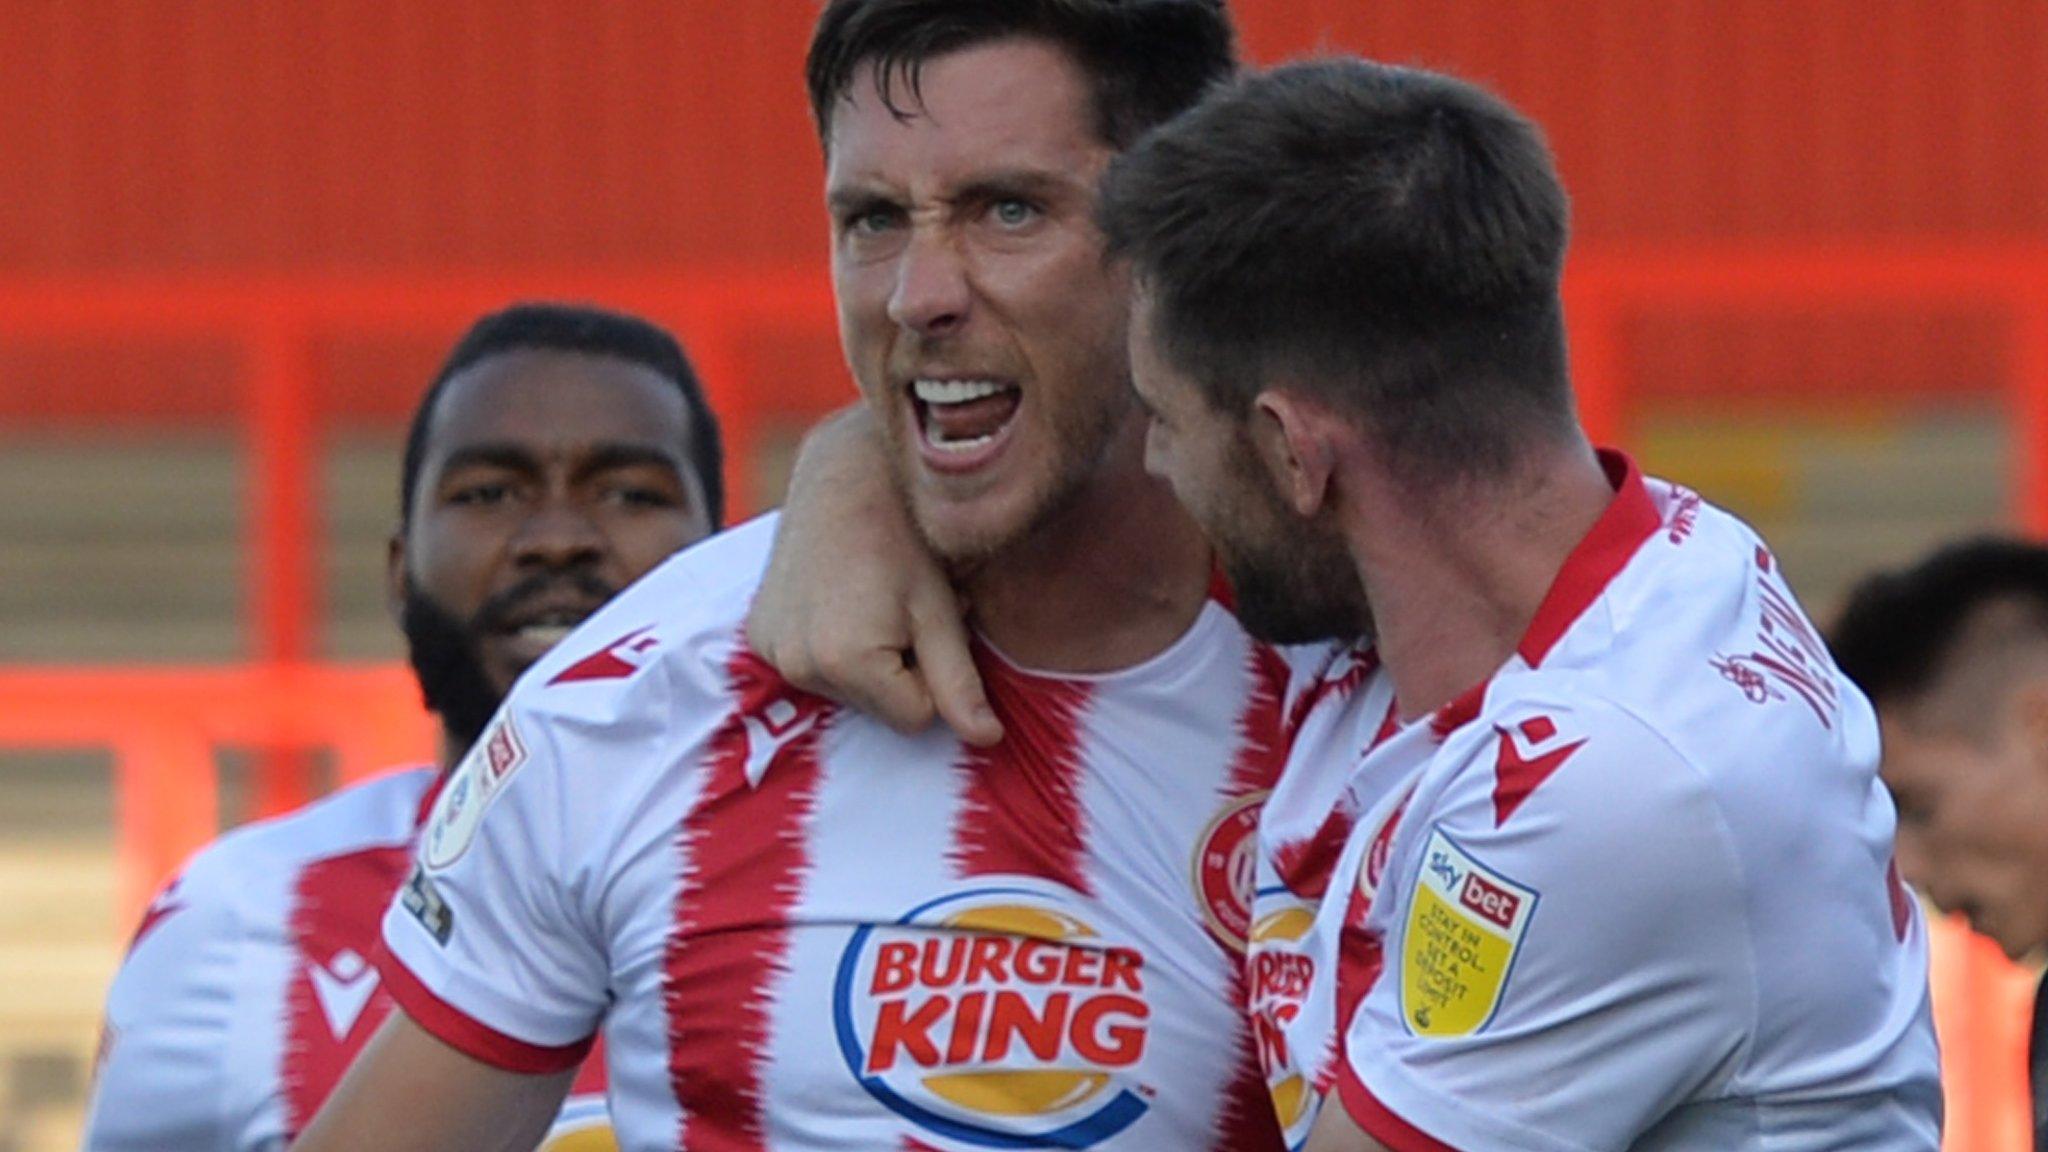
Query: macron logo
(1516,775)
(778,726)
(615,661)
(343,986)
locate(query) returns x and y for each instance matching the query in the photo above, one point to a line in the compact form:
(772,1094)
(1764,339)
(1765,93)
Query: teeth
(954,391)
(549,634)
(939,441)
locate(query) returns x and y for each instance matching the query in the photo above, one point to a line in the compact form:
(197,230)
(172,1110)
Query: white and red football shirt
(803,931)
(249,986)
(1635,891)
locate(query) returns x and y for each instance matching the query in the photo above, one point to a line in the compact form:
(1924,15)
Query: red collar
(1631,518)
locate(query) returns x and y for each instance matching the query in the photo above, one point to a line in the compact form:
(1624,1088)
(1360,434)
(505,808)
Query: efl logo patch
(1224,868)
(459,810)
(1464,927)
(997,1019)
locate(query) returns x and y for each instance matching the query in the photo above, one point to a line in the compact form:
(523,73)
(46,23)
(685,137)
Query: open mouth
(963,423)
(530,636)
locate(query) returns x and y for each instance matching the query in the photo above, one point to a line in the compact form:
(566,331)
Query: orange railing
(164,726)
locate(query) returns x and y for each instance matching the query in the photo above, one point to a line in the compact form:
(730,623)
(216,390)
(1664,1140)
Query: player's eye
(480,495)
(869,221)
(1011,212)
(639,496)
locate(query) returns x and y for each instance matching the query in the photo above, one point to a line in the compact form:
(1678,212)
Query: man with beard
(561,453)
(799,929)
(1613,866)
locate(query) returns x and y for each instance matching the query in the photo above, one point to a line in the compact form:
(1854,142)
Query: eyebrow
(1032,182)
(1014,182)
(603,458)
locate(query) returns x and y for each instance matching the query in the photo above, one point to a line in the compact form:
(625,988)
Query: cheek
(452,562)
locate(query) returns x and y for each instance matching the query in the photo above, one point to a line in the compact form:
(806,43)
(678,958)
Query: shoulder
(1550,755)
(659,647)
(234,872)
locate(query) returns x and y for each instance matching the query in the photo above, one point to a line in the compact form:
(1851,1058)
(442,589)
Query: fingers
(890,691)
(941,653)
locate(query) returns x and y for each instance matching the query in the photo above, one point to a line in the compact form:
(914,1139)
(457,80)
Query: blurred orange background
(236,238)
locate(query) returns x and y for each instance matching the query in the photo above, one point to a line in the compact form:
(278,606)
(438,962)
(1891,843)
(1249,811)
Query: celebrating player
(1614,867)
(560,454)
(800,929)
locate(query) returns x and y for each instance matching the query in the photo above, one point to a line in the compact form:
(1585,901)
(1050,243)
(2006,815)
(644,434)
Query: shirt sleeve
(162,1081)
(1569,956)
(488,945)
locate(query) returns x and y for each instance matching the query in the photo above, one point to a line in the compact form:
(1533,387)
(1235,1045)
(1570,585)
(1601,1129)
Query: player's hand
(853,606)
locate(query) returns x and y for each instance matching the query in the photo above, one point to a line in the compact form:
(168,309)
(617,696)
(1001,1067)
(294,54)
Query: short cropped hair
(1388,239)
(1897,637)
(553,327)
(1146,60)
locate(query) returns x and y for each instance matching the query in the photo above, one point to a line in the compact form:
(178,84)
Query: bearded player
(1613,868)
(560,453)
(800,929)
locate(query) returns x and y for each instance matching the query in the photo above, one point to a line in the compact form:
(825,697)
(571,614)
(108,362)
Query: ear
(1294,439)
(394,573)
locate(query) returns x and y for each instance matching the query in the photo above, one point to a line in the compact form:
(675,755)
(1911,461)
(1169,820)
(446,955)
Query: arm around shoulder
(853,606)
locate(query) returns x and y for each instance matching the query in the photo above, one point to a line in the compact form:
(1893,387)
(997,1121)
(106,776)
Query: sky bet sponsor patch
(997,1018)
(1464,927)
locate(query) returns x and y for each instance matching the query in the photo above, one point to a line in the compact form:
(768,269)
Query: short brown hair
(1389,237)
(1146,60)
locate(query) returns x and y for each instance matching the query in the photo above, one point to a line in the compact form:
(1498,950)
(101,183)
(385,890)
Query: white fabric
(199,1051)
(759,892)
(1690,918)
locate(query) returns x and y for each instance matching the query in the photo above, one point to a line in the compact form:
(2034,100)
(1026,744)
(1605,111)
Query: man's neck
(1110,582)
(1455,583)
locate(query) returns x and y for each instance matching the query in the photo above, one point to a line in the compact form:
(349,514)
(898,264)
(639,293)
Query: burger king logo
(1281,976)
(996,1018)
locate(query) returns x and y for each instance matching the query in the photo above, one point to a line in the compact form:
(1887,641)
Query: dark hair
(1899,629)
(1389,237)
(1146,60)
(576,328)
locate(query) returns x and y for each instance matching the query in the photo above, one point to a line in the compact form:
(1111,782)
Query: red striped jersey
(1633,891)
(802,931)
(249,986)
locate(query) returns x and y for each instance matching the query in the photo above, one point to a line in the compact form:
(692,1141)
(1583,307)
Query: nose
(558,534)
(931,296)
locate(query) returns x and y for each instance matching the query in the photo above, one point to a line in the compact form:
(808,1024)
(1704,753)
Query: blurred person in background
(1953,650)
(560,454)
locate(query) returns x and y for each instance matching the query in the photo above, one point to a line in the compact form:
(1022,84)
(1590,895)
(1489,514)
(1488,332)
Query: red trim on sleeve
(1379,1121)
(478,1041)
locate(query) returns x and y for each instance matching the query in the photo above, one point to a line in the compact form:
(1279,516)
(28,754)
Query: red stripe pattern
(1246,1121)
(1021,813)
(744,860)
(337,907)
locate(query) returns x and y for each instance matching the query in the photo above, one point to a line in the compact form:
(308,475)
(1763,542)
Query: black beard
(442,650)
(443,647)
(1300,598)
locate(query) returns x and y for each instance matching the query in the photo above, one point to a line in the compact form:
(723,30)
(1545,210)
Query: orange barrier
(166,726)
